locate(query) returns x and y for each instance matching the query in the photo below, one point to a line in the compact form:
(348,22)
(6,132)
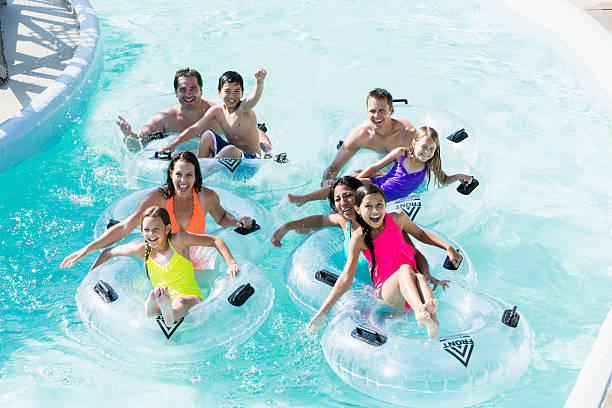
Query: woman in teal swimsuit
(342,201)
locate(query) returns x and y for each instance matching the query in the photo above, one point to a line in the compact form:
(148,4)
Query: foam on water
(541,241)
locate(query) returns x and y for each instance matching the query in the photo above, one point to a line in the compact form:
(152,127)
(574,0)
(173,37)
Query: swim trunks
(177,275)
(220,143)
(398,183)
(197,222)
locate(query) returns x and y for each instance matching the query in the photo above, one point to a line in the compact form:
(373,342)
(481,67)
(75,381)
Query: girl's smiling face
(155,232)
(372,210)
(425,148)
(344,200)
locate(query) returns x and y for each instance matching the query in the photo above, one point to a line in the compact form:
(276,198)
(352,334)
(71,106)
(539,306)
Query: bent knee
(230,151)
(407,269)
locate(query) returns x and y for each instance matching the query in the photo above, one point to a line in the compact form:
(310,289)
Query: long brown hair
(154,211)
(367,189)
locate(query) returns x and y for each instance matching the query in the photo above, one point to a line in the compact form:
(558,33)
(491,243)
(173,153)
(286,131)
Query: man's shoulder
(359,135)
(402,125)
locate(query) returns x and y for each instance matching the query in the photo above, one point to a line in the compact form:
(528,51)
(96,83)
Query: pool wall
(593,44)
(581,32)
(59,106)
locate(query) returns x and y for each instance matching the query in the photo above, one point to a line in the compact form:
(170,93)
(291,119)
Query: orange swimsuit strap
(196,224)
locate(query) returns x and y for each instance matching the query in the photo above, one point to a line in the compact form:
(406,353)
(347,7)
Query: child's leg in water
(402,286)
(165,305)
(299,200)
(151,307)
(182,304)
(431,304)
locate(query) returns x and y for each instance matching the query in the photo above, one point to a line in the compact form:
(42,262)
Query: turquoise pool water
(540,242)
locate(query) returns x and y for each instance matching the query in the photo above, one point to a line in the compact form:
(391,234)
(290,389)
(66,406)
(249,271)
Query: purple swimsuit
(397,183)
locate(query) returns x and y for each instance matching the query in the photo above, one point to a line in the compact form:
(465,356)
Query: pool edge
(51,113)
(592,42)
(587,37)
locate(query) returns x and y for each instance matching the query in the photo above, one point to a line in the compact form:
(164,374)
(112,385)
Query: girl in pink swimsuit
(391,260)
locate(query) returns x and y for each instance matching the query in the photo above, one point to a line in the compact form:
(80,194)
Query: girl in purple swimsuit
(391,260)
(411,166)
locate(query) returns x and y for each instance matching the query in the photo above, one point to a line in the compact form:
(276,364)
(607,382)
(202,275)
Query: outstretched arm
(190,240)
(112,235)
(135,249)
(404,222)
(342,284)
(460,177)
(392,156)
(194,130)
(343,156)
(221,216)
(312,222)
(251,101)
(423,266)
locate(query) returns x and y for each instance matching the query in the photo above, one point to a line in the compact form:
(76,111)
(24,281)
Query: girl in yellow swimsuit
(167,262)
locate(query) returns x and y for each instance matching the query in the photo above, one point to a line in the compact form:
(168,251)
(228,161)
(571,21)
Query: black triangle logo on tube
(460,347)
(231,163)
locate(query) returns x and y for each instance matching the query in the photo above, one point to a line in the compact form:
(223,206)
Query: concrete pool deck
(54,55)
(40,37)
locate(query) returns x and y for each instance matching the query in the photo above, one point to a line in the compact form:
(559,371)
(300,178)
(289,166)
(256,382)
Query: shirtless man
(235,117)
(379,132)
(189,109)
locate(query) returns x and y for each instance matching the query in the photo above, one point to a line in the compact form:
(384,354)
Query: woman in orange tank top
(183,196)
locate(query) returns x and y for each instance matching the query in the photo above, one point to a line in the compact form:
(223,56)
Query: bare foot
(424,318)
(421,315)
(297,200)
(431,306)
(165,305)
(151,305)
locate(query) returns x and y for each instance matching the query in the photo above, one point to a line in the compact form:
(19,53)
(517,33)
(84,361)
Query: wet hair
(187,73)
(167,190)
(367,189)
(231,77)
(349,181)
(381,95)
(433,165)
(154,211)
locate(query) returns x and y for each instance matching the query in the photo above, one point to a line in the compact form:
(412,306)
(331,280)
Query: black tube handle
(241,295)
(165,155)
(369,336)
(327,277)
(401,100)
(466,188)
(248,230)
(448,264)
(458,136)
(511,317)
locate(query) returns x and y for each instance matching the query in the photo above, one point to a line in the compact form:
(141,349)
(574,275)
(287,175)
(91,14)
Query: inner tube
(454,207)
(380,351)
(253,246)
(322,250)
(253,177)
(116,317)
